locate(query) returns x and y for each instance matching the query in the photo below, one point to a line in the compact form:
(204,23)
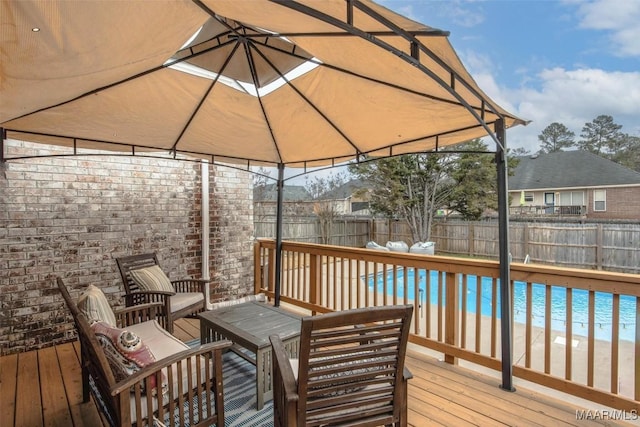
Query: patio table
(248,326)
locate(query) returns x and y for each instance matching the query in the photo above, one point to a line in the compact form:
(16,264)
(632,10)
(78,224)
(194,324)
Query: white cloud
(466,16)
(465,13)
(619,18)
(573,98)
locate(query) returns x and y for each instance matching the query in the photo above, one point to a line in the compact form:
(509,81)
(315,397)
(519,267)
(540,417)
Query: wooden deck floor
(43,388)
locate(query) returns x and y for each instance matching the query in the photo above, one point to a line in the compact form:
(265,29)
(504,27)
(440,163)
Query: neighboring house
(296,200)
(576,183)
(351,198)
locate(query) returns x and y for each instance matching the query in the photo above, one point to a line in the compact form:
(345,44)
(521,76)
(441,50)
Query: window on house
(528,197)
(599,200)
(577,198)
(572,198)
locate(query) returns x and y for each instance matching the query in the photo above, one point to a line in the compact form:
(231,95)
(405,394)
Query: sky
(546,61)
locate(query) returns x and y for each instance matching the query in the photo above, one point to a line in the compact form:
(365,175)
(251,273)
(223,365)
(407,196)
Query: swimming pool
(603,302)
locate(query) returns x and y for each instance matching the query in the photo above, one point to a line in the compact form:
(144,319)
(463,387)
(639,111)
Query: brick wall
(231,234)
(72,216)
(622,203)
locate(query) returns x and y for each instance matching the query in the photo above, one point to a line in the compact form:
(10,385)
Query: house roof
(291,193)
(345,191)
(569,169)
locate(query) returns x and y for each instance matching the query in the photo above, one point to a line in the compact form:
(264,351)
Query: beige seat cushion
(185,299)
(94,304)
(160,342)
(152,279)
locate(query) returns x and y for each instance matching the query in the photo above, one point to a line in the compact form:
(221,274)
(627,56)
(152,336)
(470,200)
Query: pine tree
(555,137)
(601,136)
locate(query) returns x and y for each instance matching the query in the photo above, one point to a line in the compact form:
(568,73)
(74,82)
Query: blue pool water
(603,302)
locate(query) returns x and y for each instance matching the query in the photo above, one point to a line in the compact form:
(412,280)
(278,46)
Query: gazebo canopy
(304,83)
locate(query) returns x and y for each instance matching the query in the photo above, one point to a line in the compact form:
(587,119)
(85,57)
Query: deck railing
(574,330)
(548,210)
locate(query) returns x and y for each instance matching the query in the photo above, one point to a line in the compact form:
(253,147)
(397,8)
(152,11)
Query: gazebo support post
(505,259)
(2,138)
(279,209)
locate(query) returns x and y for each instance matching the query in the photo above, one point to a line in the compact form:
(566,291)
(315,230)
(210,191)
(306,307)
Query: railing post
(451,315)
(636,380)
(258,268)
(271,269)
(314,279)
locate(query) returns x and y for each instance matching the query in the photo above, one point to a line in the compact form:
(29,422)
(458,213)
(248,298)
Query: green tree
(627,152)
(520,151)
(414,187)
(474,174)
(410,187)
(601,136)
(556,137)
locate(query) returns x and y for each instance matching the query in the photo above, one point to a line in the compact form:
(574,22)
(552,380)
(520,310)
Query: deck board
(55,407)
(28,403)
(477,398)
(83,414)
(187,329)
(44,387)
(8,379)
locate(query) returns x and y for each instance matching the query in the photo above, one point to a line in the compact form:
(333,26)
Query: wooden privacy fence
(611,247)
(345,231)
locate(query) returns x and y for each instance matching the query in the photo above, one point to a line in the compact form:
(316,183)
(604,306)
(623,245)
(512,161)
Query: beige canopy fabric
(305,83)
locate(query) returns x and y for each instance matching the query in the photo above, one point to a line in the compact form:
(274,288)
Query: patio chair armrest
(157,367)
(146,297)
(190,285)
(153,297)
(285,387)
(281,362)
(138,313)
(192,376)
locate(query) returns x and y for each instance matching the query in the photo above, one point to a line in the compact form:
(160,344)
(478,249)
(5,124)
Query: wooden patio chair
(350,370)
(180,298)
(188,381)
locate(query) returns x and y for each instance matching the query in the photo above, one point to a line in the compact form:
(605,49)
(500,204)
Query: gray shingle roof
(566,169)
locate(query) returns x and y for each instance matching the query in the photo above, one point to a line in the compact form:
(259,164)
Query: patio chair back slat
(350,370)
(134,262)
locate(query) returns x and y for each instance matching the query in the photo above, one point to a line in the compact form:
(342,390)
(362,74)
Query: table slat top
(251,323)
